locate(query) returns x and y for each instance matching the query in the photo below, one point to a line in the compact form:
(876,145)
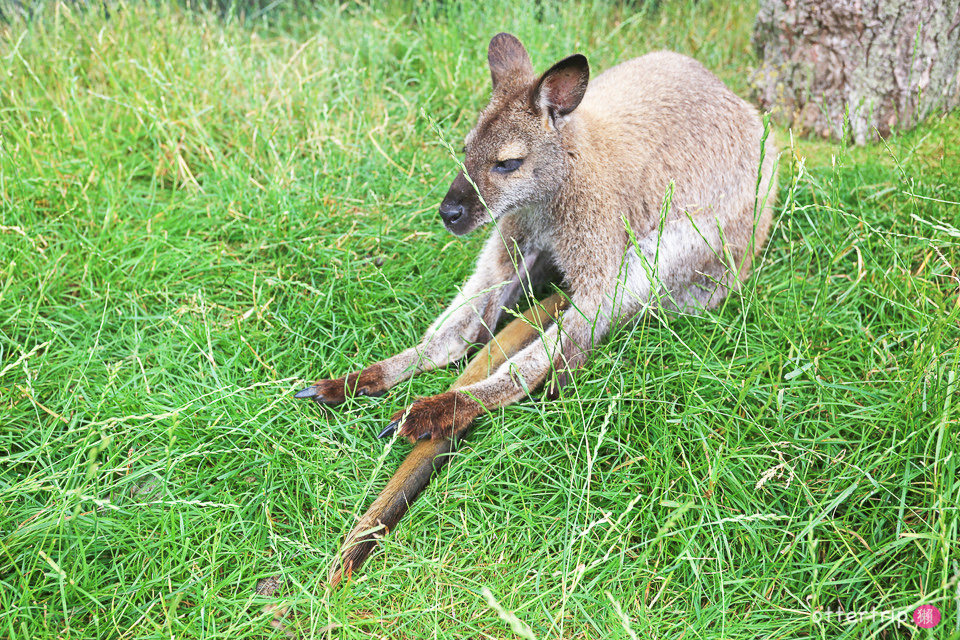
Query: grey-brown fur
(595,153)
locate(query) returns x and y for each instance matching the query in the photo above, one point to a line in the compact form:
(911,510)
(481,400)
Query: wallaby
(649,187)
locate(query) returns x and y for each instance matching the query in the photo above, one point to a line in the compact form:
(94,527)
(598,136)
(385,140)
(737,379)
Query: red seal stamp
(926,616)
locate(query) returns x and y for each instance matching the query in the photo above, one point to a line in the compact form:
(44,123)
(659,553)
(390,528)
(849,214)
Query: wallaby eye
(508,166)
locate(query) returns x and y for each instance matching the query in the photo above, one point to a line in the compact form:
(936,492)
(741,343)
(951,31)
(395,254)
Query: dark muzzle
(450,212)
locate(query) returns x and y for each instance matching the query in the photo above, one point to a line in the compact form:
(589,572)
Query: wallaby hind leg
(667,270)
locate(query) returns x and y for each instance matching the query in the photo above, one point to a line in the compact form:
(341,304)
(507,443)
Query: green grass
(197,216)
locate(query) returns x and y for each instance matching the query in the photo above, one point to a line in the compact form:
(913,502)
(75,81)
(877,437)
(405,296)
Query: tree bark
(886,63)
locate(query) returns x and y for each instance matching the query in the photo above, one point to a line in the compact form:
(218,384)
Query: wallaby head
(515,155)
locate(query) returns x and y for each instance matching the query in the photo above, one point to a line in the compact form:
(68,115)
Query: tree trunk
(889,62)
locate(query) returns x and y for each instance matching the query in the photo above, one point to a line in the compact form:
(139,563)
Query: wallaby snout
(461,210)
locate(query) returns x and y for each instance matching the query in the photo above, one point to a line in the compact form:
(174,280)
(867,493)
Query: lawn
(200,214)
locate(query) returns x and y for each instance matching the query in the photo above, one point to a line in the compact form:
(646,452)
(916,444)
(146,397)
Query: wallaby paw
(368,382)
(436,417)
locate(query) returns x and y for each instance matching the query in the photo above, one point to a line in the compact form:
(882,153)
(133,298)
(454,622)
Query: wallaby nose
(451,211)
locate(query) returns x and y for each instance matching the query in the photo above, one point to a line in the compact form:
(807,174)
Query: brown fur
(438,416)
(368,382)
(566,165)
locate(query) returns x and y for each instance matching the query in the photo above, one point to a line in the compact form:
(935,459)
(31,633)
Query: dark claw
(309,392)
(424,436)
(390,429)
(369,394)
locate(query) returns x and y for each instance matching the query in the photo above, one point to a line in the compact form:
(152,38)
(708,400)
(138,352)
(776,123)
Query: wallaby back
(663,117)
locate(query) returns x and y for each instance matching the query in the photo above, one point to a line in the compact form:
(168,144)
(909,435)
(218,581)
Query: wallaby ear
(561,88)
(508,60)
